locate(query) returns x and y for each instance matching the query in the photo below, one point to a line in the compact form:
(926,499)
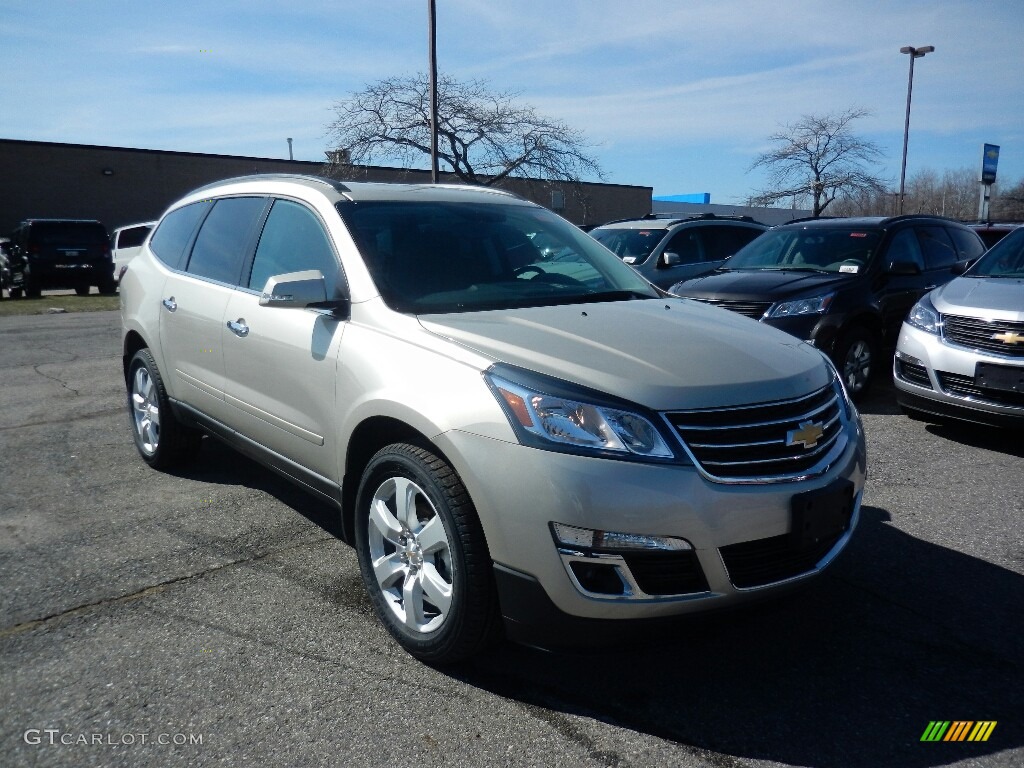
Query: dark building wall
(122,186)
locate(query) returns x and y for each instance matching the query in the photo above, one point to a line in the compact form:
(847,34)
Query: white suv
(125,244)
(516,428)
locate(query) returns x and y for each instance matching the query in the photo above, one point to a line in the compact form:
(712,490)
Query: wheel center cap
(413,553)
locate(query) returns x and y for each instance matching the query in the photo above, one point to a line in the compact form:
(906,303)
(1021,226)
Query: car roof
(666,221)
(336,191)
(865,222)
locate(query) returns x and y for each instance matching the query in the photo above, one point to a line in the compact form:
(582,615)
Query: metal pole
(432,14)
(906,130)
(290,156)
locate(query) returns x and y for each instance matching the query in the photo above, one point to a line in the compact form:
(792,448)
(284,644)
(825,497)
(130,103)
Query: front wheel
(855,358)
(423,556)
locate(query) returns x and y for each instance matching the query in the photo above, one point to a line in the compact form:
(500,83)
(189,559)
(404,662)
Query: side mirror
(904,268)
(295,290)
(962,266)
(671,259)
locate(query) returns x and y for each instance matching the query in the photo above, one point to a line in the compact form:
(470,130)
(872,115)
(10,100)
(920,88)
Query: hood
(994,298)
(760,285)
(661,353)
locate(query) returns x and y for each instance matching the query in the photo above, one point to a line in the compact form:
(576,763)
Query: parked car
(514,435)
(843,284)
(666,250)
(125,244)
(5,270)
(961,349)
(991,232)
(60,253)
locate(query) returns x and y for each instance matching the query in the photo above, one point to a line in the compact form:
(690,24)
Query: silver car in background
(518,430)
(960,353)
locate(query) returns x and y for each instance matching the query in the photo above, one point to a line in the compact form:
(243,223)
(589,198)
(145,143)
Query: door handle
(931,287)
(170,304)
(238,327)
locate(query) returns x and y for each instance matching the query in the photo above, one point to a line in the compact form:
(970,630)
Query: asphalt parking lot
(212,617)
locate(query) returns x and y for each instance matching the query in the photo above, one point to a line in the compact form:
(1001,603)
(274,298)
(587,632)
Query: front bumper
(938,378)
(519,491)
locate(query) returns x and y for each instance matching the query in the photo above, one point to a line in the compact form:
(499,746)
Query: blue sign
(989,161)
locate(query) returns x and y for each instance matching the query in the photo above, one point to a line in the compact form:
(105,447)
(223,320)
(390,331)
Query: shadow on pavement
(846,673)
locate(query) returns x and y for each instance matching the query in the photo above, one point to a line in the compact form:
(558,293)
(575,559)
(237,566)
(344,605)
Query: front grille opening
(667,573)
(964,386)
(599,578)
(766,561)
(765,441)
(978,333)
(915,374)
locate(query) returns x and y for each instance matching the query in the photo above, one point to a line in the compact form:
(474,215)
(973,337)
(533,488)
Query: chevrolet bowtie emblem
(1009,337)
(808,435)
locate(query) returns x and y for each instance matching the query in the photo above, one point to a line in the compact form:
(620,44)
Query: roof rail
(336,185)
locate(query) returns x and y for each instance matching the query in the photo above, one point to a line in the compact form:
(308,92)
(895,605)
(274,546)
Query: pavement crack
(63,383)
(153,589)
(67,420)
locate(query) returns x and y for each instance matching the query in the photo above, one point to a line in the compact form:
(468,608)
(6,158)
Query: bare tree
(818,158)
(483,136)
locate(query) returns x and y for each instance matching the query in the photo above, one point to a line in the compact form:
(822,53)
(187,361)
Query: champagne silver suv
(519,432)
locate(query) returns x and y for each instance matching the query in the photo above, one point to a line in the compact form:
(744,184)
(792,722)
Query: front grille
(763,441)
(667,573)
(964,386)
(765,561)
(754,309)
(976,333)
(915,374)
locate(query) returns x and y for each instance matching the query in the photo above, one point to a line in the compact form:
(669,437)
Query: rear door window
(225,239)
(172,236)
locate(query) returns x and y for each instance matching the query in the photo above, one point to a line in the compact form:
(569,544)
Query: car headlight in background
(816,305)
(925,317)
(546,415)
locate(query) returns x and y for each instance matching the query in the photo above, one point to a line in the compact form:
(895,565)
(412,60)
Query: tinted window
(292,241)
(464,257)
(685,244)
(633,246)
(132,237)
(905,248)
(221,245)
(968,245)
(1004,259)
(171,237)
(723,242)
(937,247)
(813,249)
(68,233)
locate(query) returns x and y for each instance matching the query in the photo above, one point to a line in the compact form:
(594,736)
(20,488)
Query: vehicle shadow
(849,672)
(1006,441)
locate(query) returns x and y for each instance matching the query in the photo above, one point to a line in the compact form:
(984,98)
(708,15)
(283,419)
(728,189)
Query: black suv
(843,284)
(667,249)
(60,253)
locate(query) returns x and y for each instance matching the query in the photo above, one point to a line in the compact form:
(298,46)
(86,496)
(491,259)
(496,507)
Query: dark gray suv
(667,249)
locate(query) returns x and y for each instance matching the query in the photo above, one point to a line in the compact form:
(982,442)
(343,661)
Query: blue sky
(679,95)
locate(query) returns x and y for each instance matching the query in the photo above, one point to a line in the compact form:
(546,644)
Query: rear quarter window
(174,232)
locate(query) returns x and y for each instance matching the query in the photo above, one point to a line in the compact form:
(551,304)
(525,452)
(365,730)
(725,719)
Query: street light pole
(915,53)
(432,19)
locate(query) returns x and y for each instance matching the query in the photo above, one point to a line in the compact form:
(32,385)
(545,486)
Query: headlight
(816,305)
(925,317)
(549,414)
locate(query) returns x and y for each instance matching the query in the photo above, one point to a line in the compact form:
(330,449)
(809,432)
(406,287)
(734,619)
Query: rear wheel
(162,441)
(82,290)
(423,556)
(856,356)
(32,291)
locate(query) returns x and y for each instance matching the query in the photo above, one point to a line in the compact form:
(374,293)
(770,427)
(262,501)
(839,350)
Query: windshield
(438,257)
(840,250)
(633,246)
(1004,259)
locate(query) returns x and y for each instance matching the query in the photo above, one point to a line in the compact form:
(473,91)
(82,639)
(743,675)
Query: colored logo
(808,435)
(958,730)
(1010,337)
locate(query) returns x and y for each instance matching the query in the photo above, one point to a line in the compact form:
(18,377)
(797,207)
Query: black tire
(32,291)
(434,633)
(107,288)
(856,358)
(82,290)
(15,293)
(163,442)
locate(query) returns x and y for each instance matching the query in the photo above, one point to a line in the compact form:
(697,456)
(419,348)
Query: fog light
(908,358)
(599,578)
(571,536)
